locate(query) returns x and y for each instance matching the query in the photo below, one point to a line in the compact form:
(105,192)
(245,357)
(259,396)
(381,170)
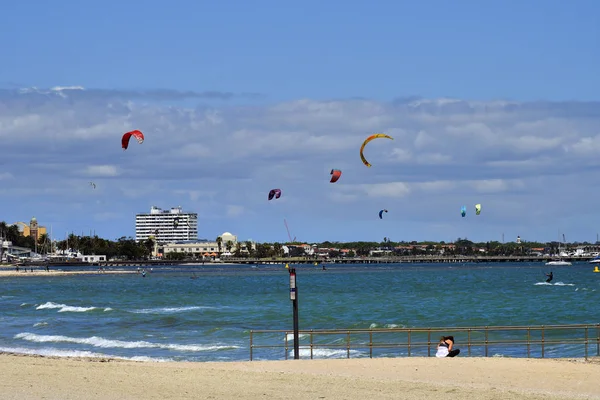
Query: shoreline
(39,270)
(5,272)
(32,377)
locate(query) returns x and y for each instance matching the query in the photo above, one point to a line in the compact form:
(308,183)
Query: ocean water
(167,316)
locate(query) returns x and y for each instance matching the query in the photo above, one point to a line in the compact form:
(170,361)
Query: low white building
(209,249)
(74,255)
(92,259)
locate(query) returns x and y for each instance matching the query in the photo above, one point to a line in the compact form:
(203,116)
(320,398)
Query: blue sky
(488,102)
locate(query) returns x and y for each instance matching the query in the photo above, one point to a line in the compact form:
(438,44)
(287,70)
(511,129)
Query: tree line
(124,247)
(128,248)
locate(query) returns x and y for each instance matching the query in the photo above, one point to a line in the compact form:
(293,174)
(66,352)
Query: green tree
(277,250)
(262,250)
(149,246)
(43,244)
(249,248)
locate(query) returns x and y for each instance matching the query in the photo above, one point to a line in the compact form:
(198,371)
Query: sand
(33,377)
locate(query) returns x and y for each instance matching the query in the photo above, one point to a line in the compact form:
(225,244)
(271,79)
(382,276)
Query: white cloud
(585,146)
(194,150)
(387,189)
(234,210)
(534,166)
(491,185)
(401,155)
(101,170)
(424,140)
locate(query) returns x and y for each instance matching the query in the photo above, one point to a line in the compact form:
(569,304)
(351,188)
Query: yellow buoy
(287,266)
(596,269)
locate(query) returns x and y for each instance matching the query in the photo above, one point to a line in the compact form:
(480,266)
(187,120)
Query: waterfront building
(166,226)
(228,245)
(8,252)
(32,229)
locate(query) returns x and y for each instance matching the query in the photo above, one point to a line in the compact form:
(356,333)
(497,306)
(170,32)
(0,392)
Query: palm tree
(277,249)
(3,229)
(149,246)
(219,243)
(43,243)
(249,248)
(12,234)
(238,249)
(229,245)
(74,242)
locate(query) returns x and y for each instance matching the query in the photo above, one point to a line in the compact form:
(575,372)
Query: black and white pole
(294,298)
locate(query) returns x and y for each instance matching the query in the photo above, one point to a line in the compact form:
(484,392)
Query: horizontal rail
(538,339)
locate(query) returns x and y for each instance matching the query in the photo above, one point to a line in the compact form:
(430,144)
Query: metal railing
(541,341)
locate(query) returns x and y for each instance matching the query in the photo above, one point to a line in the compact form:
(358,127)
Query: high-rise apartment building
(166,226)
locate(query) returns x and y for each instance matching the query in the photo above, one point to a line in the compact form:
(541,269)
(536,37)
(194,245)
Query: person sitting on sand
(445,347)
(550,276)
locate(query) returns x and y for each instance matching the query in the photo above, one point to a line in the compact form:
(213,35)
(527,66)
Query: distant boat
(595,260)
(560,261)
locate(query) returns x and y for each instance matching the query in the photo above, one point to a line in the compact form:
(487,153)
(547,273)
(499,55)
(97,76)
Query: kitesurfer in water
(550,276)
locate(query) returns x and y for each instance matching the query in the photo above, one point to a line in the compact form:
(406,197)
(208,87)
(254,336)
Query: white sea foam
(67,308)
(169,310)
(97,341)
(375,325)
(290,336)
(304,352)
(554,284)
(52,352)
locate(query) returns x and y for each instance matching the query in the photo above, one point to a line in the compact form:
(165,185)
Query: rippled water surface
(168,316)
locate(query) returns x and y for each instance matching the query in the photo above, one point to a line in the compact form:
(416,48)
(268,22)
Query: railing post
(348,344)
(429,342)
(486,341)
(311,344)
(469,341)
(408,341)
(528,342)
(598,339)
(251,344)
(370,343)
(543,339)
(286,345)
(586,342)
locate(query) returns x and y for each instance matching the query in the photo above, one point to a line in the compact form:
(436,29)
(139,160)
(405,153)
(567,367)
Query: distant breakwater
(359,260)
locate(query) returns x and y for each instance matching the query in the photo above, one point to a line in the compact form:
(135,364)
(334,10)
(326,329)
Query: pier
(401,259)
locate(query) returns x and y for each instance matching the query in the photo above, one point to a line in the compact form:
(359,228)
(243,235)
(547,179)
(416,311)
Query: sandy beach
(34,377)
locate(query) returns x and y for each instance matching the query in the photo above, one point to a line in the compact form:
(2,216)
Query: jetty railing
(540,341)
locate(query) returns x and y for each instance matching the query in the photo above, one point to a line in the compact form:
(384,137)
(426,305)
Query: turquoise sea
(169,316)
